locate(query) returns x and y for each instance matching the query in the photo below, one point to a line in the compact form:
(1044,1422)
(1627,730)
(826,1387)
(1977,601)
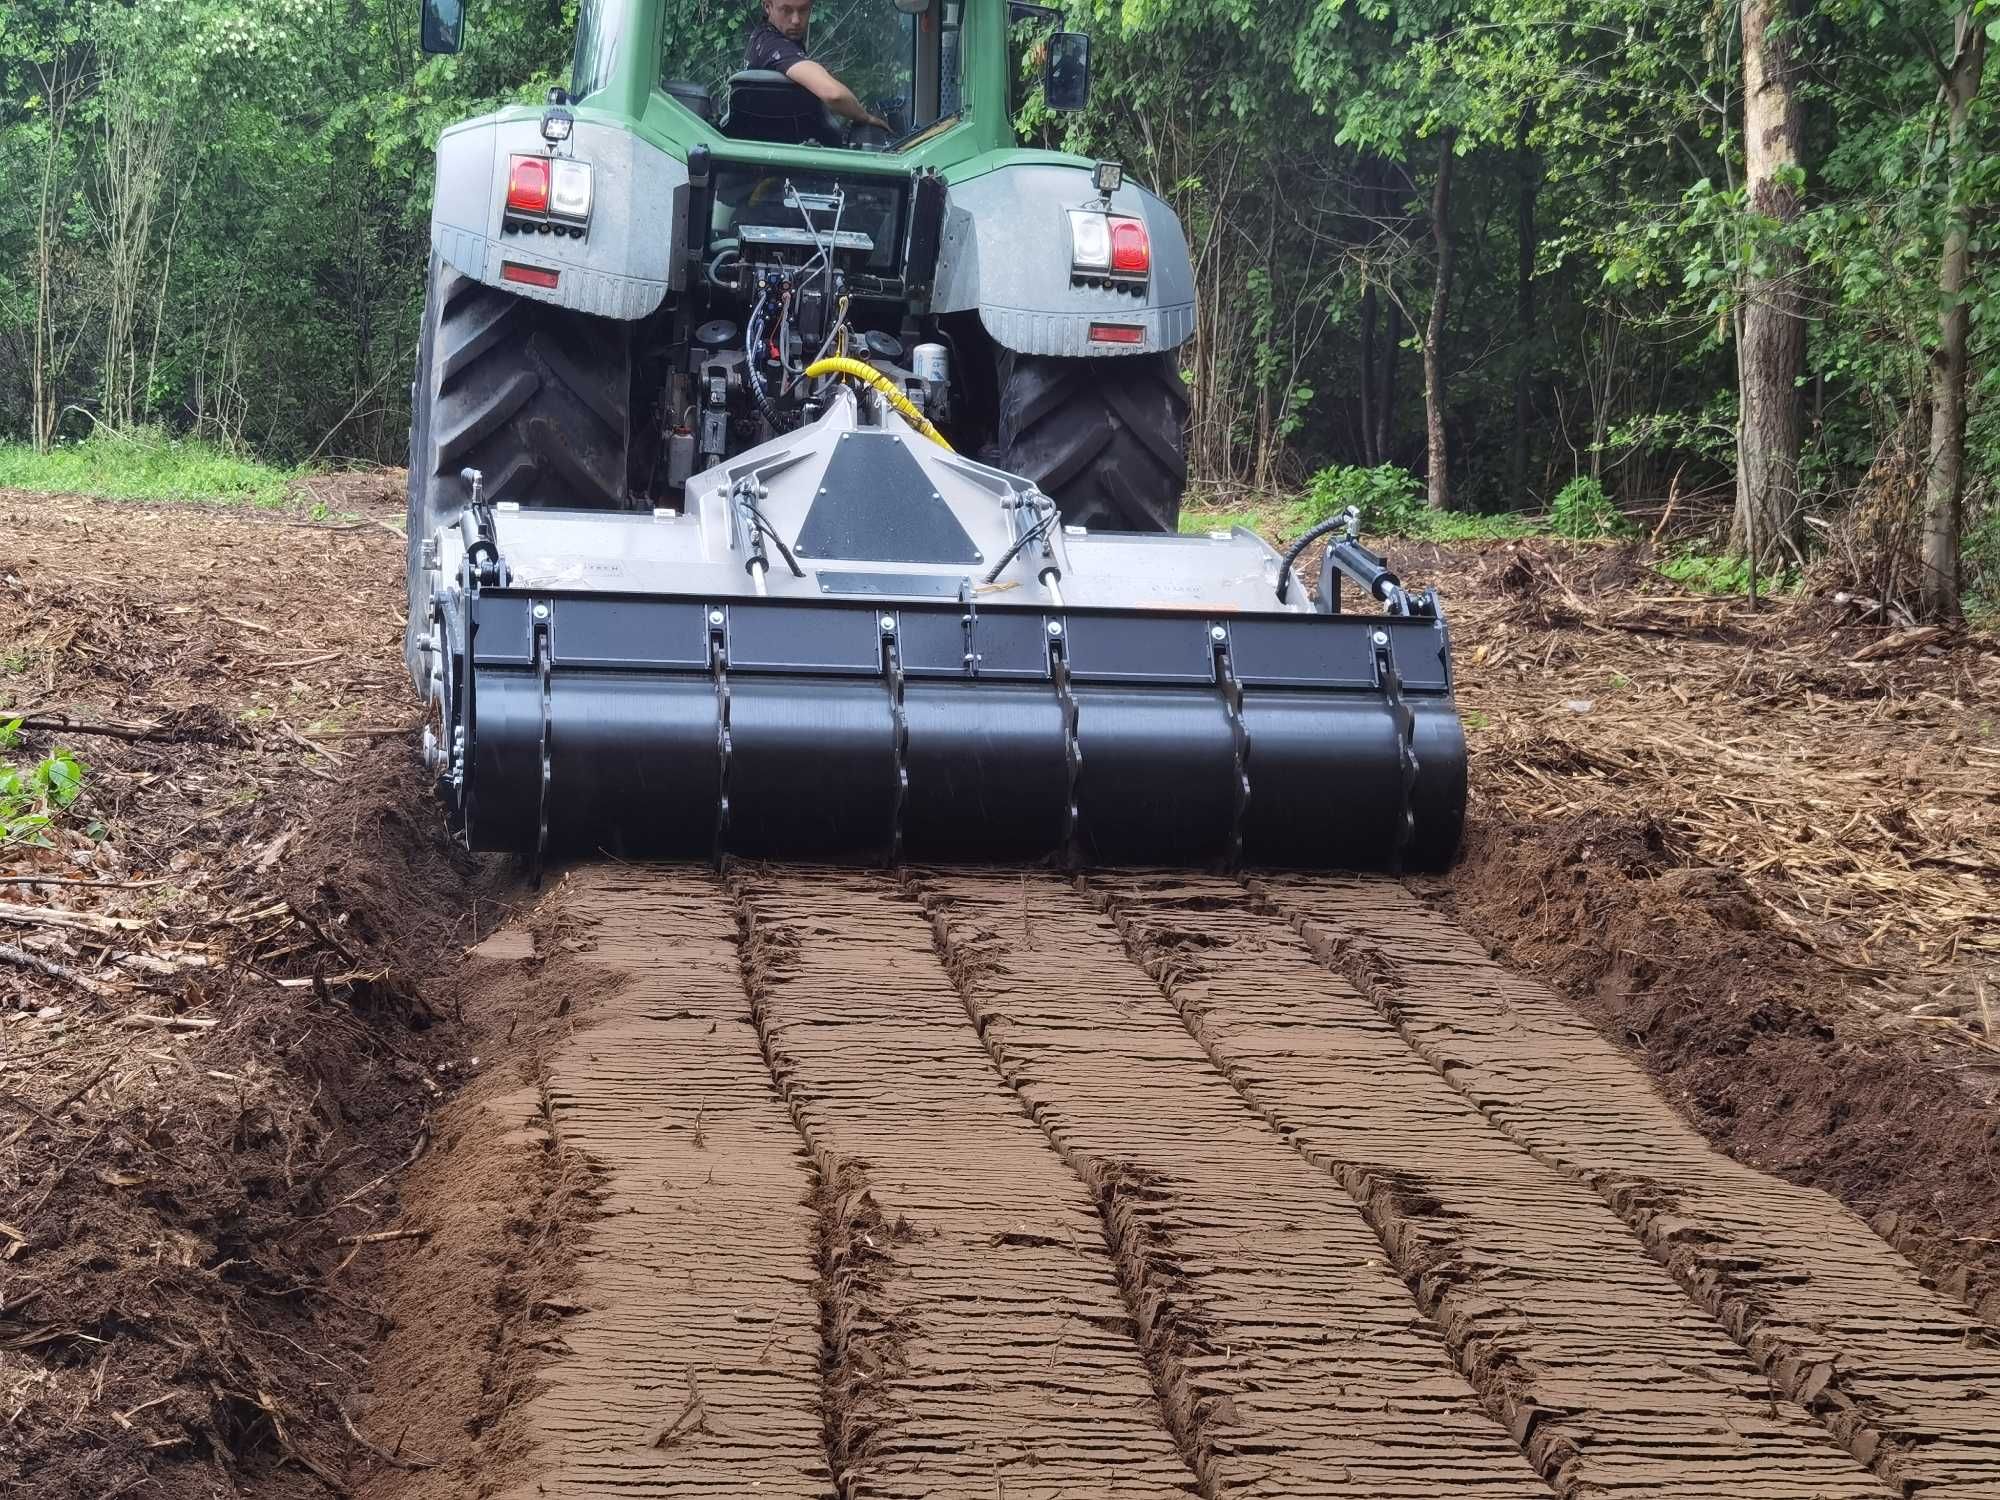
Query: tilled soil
(960,1183)
(985,1184)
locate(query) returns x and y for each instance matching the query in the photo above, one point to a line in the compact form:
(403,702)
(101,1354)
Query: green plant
(1389,499)
(1714,573)
(10,733)
(1582,509)
(1980,548)
(30,800)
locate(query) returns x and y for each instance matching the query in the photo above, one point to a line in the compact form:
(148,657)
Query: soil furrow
(1554,1312)
(691,1365)
(1307,1368)
(1837,1321)
(988,1320)
(1162,1299)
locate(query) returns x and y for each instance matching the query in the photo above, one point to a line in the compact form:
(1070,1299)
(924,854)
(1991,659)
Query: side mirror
(444,26)
(1066,73)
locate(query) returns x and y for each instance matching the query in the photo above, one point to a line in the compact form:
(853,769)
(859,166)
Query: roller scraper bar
(680,726)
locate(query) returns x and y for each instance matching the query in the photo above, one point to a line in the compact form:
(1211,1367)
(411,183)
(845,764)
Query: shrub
(1583,510)
(1390,499)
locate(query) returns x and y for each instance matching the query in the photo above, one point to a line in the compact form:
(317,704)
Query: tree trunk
(1773,330)
(1439,476)
(1946,483)
(60,84)
(1385,403)
(1369,315)
(1524,301)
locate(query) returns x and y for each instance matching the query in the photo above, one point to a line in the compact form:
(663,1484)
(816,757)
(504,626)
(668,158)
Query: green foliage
(1597,143)
(31,800)
(1389,498)
(1583,510)
(1704,572)
(144,465)
(1980,548)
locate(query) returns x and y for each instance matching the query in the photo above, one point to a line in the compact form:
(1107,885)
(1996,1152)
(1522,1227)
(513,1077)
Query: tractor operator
(778,46)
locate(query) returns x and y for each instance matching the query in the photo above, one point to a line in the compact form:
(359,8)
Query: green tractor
(796,466)
(598,262)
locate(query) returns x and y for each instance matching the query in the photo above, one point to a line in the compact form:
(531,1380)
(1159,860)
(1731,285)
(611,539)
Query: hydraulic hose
(868,375)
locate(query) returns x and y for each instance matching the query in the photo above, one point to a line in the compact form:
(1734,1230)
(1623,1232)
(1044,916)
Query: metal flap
(501,630)
(1139,648)
(628,633)
(804,638)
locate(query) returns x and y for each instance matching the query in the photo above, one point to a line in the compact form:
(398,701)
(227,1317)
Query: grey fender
(624,264)
(1006,252)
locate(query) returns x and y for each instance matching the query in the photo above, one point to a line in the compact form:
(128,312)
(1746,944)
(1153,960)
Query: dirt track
(971,1185)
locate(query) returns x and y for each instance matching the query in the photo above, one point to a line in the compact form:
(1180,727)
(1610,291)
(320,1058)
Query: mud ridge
(861,1340)
(1161,1297)
(566,1196)
(1687,1250)
(1417,1243)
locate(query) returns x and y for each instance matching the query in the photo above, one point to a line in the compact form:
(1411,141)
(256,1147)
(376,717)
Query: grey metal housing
(1006,252)
(623,266)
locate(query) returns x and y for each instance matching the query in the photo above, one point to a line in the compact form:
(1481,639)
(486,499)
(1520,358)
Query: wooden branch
(381,1237)
(387,1457)
(22,958)
(56,916)
(103,885)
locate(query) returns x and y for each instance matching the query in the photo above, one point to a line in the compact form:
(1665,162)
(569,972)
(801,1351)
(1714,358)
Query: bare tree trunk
(1385,406)
(1439,477)
(60,85)
(137,139)
(1524,300)
(1370,314)
(1773,348)
(1946,484)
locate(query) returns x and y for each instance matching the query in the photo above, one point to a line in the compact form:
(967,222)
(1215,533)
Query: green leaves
(31,800)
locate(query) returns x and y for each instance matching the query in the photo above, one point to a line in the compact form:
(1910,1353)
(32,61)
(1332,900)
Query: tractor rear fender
(1006,252)
(624,264)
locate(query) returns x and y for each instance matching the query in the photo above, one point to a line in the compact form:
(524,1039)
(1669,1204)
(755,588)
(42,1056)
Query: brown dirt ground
(1761,851)
(210,1075)
(1761,863)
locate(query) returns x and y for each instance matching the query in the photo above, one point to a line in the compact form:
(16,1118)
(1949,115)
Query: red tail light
(513,270)
(528,185)
(1131,252)
(1117,333)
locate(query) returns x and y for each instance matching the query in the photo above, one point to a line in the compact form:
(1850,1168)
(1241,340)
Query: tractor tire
(1106,439)
(537,398)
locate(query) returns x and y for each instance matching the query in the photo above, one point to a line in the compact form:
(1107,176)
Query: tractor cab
(908,61)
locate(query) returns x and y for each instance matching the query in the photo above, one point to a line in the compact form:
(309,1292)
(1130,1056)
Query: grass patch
(1702,572)
(145,465)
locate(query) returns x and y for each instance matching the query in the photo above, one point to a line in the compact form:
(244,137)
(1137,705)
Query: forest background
(1718,269)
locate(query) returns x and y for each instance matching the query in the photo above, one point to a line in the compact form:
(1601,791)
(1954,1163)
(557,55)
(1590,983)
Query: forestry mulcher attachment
(802,490)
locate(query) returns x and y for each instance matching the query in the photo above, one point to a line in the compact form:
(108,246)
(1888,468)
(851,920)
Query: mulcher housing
(683,584)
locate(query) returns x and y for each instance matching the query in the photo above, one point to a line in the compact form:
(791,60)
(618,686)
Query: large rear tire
(537,398)
(1106,439)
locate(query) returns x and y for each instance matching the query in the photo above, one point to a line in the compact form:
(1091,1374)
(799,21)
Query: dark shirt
(771,50)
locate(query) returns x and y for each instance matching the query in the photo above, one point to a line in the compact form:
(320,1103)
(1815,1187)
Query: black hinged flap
(1006,643)
(629,633)
(1139,648)
(501,629)
(804,638)
(1336,651)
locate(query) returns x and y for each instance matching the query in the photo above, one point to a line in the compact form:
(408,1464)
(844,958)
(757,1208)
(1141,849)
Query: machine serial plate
(890,585)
